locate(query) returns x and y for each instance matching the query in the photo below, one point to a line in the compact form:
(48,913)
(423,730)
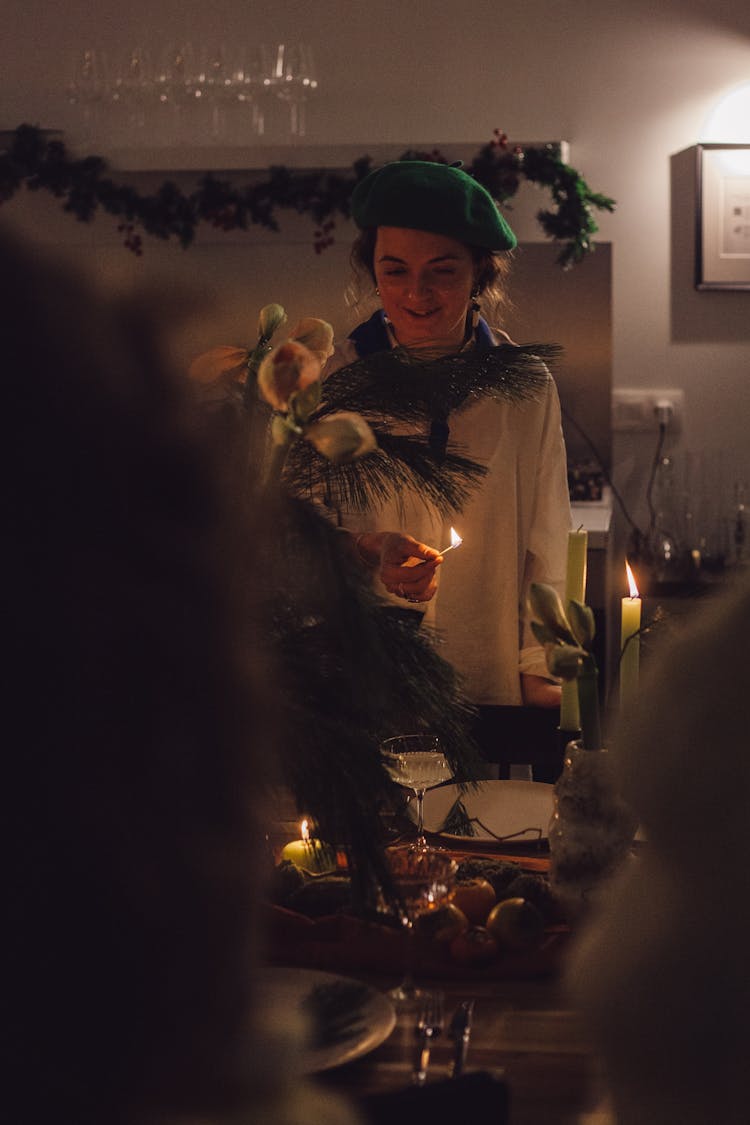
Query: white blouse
(514,530)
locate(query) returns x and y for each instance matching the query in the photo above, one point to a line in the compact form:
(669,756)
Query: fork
(429,1027)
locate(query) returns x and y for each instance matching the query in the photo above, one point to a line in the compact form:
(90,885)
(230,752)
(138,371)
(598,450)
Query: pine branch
(414,389)
(400,464)
(410,385)
(351,672)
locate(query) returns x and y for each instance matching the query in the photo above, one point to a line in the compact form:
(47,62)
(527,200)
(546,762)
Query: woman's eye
(394,273)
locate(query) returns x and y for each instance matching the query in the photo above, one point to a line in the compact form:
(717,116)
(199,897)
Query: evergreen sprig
(404,387)
(349,673)
(40,162)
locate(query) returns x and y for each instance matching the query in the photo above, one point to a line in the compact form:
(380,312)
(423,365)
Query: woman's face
(425,282)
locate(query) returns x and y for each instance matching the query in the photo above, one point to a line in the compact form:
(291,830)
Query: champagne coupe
(417,762)
(422,881)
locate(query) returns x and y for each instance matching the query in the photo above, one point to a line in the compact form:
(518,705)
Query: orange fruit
(517,924)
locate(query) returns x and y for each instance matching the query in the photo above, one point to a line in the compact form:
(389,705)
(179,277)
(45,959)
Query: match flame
(456,539)
(631,581)
(305,832)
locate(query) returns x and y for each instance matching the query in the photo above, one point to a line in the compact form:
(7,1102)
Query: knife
(460,1032)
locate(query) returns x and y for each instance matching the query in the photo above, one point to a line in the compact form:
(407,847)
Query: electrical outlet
(640,410)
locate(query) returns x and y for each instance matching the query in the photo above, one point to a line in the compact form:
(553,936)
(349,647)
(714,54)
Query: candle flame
(631,581)
(304,831)
(456,539)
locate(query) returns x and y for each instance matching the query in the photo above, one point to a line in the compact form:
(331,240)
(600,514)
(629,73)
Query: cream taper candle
(630,645)
(575,590)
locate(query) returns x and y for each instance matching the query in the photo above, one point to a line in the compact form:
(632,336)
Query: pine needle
(401,388)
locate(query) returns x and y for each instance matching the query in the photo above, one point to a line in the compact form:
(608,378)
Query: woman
(434,243)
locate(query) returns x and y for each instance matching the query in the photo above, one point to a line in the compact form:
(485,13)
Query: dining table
(530,1060)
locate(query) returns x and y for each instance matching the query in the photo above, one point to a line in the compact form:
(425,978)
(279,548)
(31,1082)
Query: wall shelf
(255,157)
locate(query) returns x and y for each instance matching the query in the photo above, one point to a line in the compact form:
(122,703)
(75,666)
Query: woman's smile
(421,315)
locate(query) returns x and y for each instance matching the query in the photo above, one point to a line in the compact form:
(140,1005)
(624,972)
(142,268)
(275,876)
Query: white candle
(630,650)
(575,574)
(575,590)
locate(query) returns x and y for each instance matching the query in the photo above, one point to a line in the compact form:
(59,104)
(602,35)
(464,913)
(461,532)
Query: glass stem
(420,815)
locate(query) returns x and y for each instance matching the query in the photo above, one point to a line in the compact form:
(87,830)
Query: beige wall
(629,86)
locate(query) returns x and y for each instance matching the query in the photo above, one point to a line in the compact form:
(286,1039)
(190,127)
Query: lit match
(456,541)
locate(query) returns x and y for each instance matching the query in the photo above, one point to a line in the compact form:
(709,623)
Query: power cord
(600,462)
(639,542)
(652,478)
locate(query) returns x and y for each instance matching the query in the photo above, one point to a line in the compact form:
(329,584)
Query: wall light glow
(729,121)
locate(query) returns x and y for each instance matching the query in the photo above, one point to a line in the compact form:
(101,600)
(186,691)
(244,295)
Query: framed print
(722,256)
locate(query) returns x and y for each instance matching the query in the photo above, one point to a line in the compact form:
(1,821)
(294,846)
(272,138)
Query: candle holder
(564,738)
(591,831)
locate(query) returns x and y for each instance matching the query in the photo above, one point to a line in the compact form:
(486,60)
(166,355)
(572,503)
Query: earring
(475,308)
(377,291)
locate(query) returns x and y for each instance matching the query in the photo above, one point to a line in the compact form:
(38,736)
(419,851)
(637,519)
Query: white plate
(517,809)
(285,990)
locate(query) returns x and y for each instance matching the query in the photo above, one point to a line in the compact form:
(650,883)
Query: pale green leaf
(544,635)
(581,618)
(545,606)
(564,661)
(271,318)
(302,403)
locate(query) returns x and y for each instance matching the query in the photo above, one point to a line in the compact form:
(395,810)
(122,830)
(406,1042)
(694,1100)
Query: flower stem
(276,463)
(588,702)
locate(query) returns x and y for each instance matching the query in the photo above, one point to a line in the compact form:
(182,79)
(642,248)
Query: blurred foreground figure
(133,734)
(663,969)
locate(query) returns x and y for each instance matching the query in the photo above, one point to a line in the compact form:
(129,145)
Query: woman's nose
(419,286)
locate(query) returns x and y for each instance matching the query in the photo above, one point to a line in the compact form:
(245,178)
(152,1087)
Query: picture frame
(722,257)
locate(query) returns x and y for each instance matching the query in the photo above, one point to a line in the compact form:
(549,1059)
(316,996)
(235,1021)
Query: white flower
(315,334)
(213,365)
(290,367)
(342,437)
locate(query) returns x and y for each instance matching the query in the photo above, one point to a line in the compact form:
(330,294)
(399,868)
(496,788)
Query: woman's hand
(407,568)
(536,691)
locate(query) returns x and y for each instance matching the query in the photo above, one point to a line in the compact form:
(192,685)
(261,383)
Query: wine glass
(288,74)
(88,89)
(422,881)
(417,762)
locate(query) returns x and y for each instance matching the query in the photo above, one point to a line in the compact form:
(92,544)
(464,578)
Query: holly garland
(40,162)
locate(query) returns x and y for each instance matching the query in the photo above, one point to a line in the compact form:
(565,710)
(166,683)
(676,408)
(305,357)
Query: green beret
(421,195)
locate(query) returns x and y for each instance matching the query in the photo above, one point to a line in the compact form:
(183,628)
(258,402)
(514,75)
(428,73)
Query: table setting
(454,990)
(497,847)
(514,1051)
(485,886)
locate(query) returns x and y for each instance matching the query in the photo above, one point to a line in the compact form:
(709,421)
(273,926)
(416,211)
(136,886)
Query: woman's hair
(133,721)
(492,268)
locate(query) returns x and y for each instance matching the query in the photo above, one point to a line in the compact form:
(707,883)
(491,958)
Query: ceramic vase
(591,831)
